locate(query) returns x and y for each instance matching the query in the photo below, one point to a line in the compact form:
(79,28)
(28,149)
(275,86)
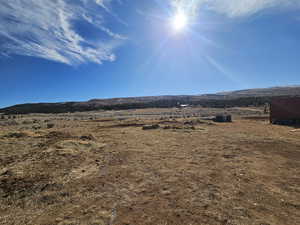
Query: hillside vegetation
(242,98)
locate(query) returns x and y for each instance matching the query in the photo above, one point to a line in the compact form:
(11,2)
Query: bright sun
(179,21)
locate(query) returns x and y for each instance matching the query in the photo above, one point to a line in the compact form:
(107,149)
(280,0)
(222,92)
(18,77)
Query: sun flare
(179,21)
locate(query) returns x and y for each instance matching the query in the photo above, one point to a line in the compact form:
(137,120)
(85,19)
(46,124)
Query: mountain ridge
(246,97)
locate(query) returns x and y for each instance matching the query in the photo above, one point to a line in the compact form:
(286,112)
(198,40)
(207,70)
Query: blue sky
(67,50)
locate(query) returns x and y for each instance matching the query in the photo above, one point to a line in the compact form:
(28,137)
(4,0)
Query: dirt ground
(111,171)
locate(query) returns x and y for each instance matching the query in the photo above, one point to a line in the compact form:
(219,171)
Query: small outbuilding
(285,110)
(223,118)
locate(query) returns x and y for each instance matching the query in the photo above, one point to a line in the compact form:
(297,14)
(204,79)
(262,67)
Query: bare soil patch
(112,172)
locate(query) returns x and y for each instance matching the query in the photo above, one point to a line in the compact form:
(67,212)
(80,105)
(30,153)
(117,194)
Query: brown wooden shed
(285,110)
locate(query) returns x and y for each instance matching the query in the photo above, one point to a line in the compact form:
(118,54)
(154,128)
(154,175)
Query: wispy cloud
(45,29)
(234,8)
(231,8)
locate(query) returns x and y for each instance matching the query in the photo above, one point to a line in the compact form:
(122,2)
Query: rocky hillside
(224,99)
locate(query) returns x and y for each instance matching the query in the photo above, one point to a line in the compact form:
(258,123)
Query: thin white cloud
(231,8)
(45,29)
(105,5)
(235,8)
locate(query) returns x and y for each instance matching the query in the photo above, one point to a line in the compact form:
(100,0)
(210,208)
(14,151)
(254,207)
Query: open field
(102,168)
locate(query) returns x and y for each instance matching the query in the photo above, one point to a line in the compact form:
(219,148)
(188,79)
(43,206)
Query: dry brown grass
(110,171)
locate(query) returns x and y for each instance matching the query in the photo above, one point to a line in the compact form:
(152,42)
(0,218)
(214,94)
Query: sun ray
(180,21)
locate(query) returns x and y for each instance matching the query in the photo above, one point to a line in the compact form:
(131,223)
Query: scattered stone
(295,130)
(88,137)
(5,172)
(16,135)
(167,127)
(189,122)
(179,127)
(35,127)
(58,134)
(229,156)
(192,128)
(150,127)
(50,125)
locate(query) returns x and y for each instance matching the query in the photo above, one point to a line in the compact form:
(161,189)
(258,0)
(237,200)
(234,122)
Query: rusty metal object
(285,111)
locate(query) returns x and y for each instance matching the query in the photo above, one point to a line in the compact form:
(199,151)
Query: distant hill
(273,91)
(223,99)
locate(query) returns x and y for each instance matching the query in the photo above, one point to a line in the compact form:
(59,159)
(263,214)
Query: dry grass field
(103,168)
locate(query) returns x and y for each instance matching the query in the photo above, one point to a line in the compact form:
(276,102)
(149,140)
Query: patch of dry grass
(110,171)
